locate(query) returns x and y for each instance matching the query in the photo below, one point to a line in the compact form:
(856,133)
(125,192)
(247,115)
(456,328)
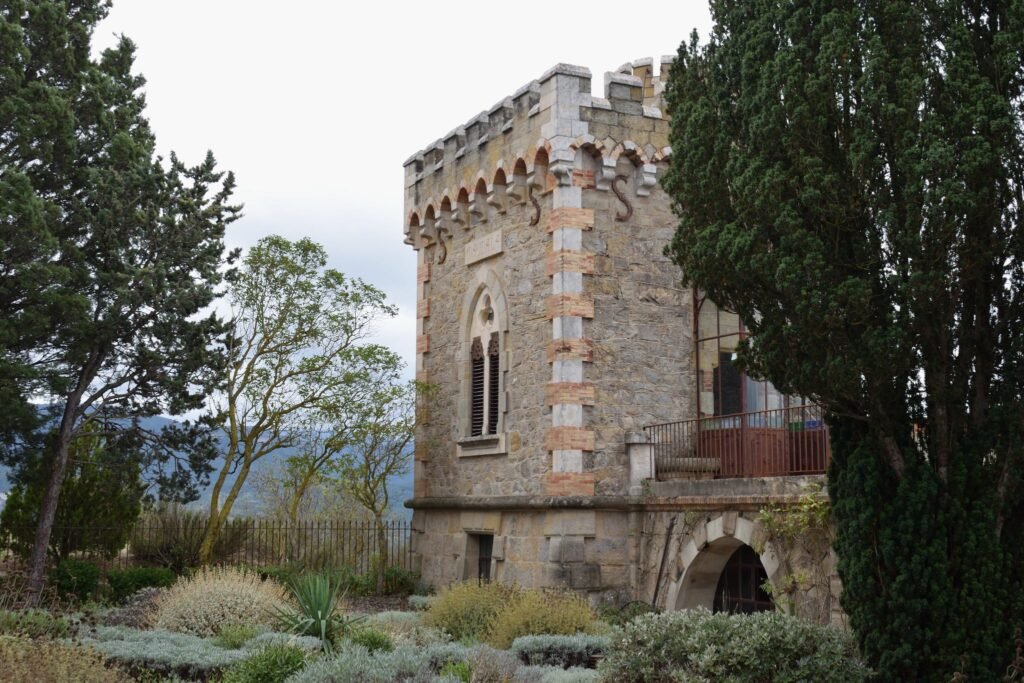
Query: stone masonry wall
(549,201)
(588,550)
(571,227)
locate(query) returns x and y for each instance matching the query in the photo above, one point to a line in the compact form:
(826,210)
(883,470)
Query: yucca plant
(318,598)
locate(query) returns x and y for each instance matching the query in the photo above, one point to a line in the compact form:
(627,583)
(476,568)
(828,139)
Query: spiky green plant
(318,598)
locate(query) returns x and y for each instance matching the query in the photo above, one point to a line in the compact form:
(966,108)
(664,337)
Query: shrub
(356,584)
(215,596)
(283,574)
(554,674)
(420,603)
(617,616)
(100,497)
(559,650)
(398,581)
(32,623)
(406,628)
(697,645)
(234,636)
(162,652)
(46,660)
(395,617)
(318,600)
(126,582)
(137,612)
(467,610)
(373,640)
(436,656)
(171,535)
(271,664)
(356,663)
(492,666)
(76,578)
(308,644)
(459,670)
(410,665)
(540,612)
(180,654)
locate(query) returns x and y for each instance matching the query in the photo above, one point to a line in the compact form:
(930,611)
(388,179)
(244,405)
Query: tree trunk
(292,537)
(48,509)
(217,519)
(382,552)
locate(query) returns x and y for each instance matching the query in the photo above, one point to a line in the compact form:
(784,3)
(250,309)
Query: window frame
(491,332)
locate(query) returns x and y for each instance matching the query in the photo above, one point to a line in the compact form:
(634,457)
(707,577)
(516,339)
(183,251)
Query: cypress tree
(848,178)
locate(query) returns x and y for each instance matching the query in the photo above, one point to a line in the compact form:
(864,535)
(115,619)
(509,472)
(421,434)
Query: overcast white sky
(315,105)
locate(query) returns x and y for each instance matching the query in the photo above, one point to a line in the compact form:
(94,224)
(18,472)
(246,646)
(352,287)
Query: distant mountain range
(400,488)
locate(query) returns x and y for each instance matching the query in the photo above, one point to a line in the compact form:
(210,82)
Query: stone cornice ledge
(742,501)
(525,503)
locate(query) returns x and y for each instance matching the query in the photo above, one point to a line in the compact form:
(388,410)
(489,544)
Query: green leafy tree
(848,178)
(109,255)
(101,497)
(297,354)
(381,449)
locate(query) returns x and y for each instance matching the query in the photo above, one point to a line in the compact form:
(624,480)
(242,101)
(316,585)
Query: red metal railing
(768,443)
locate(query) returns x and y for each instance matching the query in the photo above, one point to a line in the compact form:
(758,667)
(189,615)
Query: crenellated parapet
(527,144)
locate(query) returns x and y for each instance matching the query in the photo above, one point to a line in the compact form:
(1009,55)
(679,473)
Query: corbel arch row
(527,172)
(524,174)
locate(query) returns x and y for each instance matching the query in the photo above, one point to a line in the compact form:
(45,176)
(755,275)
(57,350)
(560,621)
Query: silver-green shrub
(354,663)
(406,628)
(162,652)
(309,644)
(420,603)
(489,665)
(692,646)
(561,651)
(554,674)
(180,654)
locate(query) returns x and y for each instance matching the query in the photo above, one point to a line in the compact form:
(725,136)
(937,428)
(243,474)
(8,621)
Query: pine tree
(848,178)
(109,254)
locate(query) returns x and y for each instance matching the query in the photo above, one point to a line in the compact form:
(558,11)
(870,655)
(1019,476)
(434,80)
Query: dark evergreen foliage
(849,178)
(109,255)
(101,498)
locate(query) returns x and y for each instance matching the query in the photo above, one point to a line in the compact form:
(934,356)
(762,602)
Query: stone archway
(703,555)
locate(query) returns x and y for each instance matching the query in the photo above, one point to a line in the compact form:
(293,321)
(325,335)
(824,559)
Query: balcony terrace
(768,443)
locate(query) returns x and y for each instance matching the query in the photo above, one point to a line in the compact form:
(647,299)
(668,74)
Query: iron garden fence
(355,545)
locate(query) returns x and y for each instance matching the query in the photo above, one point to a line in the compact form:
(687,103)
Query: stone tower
(552,329)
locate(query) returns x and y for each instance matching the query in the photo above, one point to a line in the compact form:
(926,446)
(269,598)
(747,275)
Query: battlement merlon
(552,103)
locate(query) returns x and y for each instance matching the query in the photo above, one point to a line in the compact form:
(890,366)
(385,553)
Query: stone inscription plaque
(483,247)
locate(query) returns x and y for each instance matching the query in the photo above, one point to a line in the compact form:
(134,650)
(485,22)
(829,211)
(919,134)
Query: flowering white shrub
(216,596)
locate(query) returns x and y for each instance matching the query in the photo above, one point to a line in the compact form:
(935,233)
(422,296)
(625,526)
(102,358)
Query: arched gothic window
(485,372)
(483,423)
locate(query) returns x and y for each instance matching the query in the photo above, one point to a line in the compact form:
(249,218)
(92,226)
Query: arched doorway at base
(741,584)
(729,559)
